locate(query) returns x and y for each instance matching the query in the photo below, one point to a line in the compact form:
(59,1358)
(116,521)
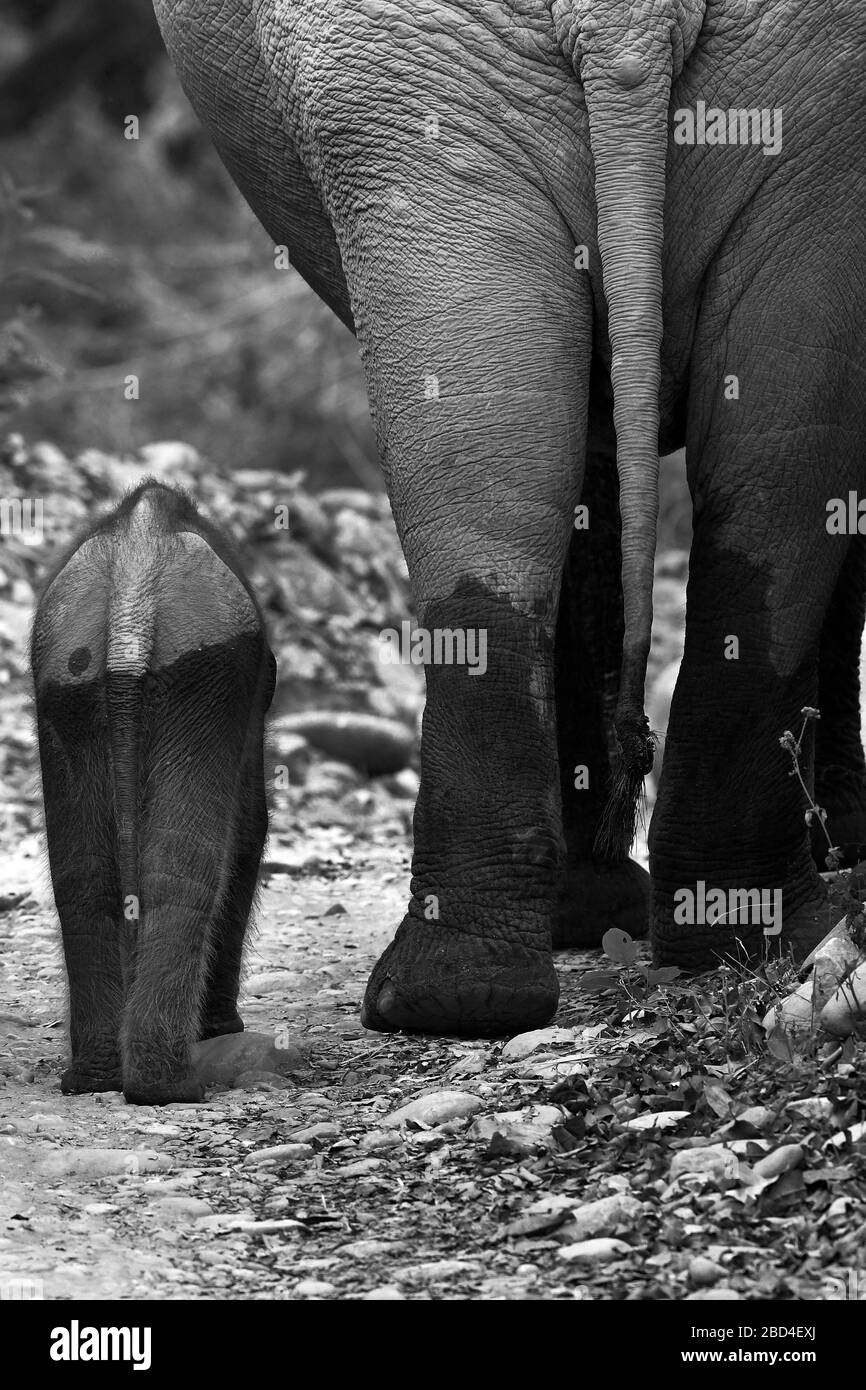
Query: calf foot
(79,1079)
(595,896)
(435,980)
(163,1092)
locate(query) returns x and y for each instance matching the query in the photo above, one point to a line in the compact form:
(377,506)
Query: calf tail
(131,623)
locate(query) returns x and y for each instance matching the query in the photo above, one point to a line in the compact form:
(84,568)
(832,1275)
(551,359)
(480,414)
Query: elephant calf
(153,674)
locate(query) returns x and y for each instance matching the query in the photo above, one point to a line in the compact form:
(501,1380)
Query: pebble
(182,1206)
(702,1272)
(323,1129)
(722,1293)
(379,1139)
(519,1133)
(810,1108)
(604,1216)
(435,1109)
(268,982)
(526,1043)
(781,1160)
(430,1271)
(262,1081)
(844,1009)
(314,1288)
(757,1117)
(715,1160)
(101,1163)
(361,1167)
(594,1252)
(366,1249)
(384,1293)
(279,1153)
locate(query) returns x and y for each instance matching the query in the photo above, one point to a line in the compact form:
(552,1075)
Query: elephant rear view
(153,675)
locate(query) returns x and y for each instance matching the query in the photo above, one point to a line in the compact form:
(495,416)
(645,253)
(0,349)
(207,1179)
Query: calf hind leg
(197,736)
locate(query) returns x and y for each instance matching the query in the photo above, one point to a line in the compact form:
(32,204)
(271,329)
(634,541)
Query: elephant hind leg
(594,895)
(199,724)
(840,767)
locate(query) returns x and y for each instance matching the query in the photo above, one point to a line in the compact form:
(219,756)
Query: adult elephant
(435,172)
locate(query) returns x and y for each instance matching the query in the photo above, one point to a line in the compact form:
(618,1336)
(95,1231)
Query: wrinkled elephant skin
(554,264)
(152,676)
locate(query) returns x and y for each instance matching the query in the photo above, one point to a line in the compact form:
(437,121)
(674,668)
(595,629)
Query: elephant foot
(594,897)
(706,947)
(79,1080)
(222,1023)
(432,980)
(163,1092)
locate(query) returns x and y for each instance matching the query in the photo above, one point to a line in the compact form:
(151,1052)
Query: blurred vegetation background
(139,256)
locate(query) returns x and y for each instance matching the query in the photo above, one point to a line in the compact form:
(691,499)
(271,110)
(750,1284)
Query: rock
(519,1133)
(221,1061)
(322,1130)
(431,1271)
(368,742)
(657,1119)
(794,1014)
(385,1293)
(173,1207)
(379,1139)
(811,1108)
(353,499)
(262,1081)
(840,929)
(715,1160)
(703,1272)
(835,958)
(847,1007)
(169,456)
(552,1202)
(604,1216)
(279,1153)
(267,982)
(361,1168)
(722,1293)
(525,1043)
(367,1249)
(314,1288)
(594,1252)
(435,1109)
(289,750)
(759,1118)
(781,1160)
(103,1163)
(404,784)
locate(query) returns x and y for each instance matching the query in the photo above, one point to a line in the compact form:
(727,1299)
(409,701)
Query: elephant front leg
(731,863)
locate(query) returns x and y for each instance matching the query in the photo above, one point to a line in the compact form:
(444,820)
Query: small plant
(843,885)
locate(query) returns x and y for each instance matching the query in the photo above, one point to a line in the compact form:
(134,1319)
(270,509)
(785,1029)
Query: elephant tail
(131,627)
(626,62)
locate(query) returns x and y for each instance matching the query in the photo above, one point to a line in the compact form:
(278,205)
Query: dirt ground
(361,1206)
